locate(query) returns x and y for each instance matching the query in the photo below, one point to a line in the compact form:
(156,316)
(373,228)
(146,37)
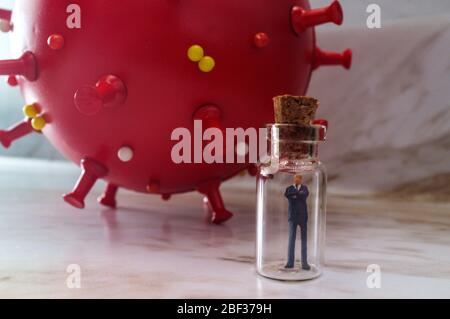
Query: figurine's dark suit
(297,216)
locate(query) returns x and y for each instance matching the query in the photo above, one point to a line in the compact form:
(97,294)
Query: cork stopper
(294,116)
(299,110)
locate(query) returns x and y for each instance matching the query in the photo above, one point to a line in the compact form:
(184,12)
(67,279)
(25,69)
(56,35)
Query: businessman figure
(297,216)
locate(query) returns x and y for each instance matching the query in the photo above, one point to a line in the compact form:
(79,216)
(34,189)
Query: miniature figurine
(297,195)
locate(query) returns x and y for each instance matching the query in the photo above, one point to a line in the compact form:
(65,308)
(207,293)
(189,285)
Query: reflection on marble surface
(389,116)
(150,248)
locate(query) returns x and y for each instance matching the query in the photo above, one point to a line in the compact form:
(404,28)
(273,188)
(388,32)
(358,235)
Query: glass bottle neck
(295,142)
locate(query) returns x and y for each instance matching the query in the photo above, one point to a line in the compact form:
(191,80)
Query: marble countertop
(154,249)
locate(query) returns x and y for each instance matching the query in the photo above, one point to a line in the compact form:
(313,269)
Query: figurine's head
(298,179)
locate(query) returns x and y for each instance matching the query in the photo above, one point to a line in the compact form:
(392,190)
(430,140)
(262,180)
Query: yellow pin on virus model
(30,111)
(196,53)
(207,64)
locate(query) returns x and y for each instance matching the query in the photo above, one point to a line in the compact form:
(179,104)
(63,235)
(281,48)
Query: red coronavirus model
(107,81)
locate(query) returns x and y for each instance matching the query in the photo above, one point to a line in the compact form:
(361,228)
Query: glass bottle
(291,200)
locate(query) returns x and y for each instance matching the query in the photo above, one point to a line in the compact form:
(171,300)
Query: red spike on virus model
(107,82)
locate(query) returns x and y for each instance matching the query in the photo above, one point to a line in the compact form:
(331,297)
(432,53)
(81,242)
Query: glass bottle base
(277,270)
